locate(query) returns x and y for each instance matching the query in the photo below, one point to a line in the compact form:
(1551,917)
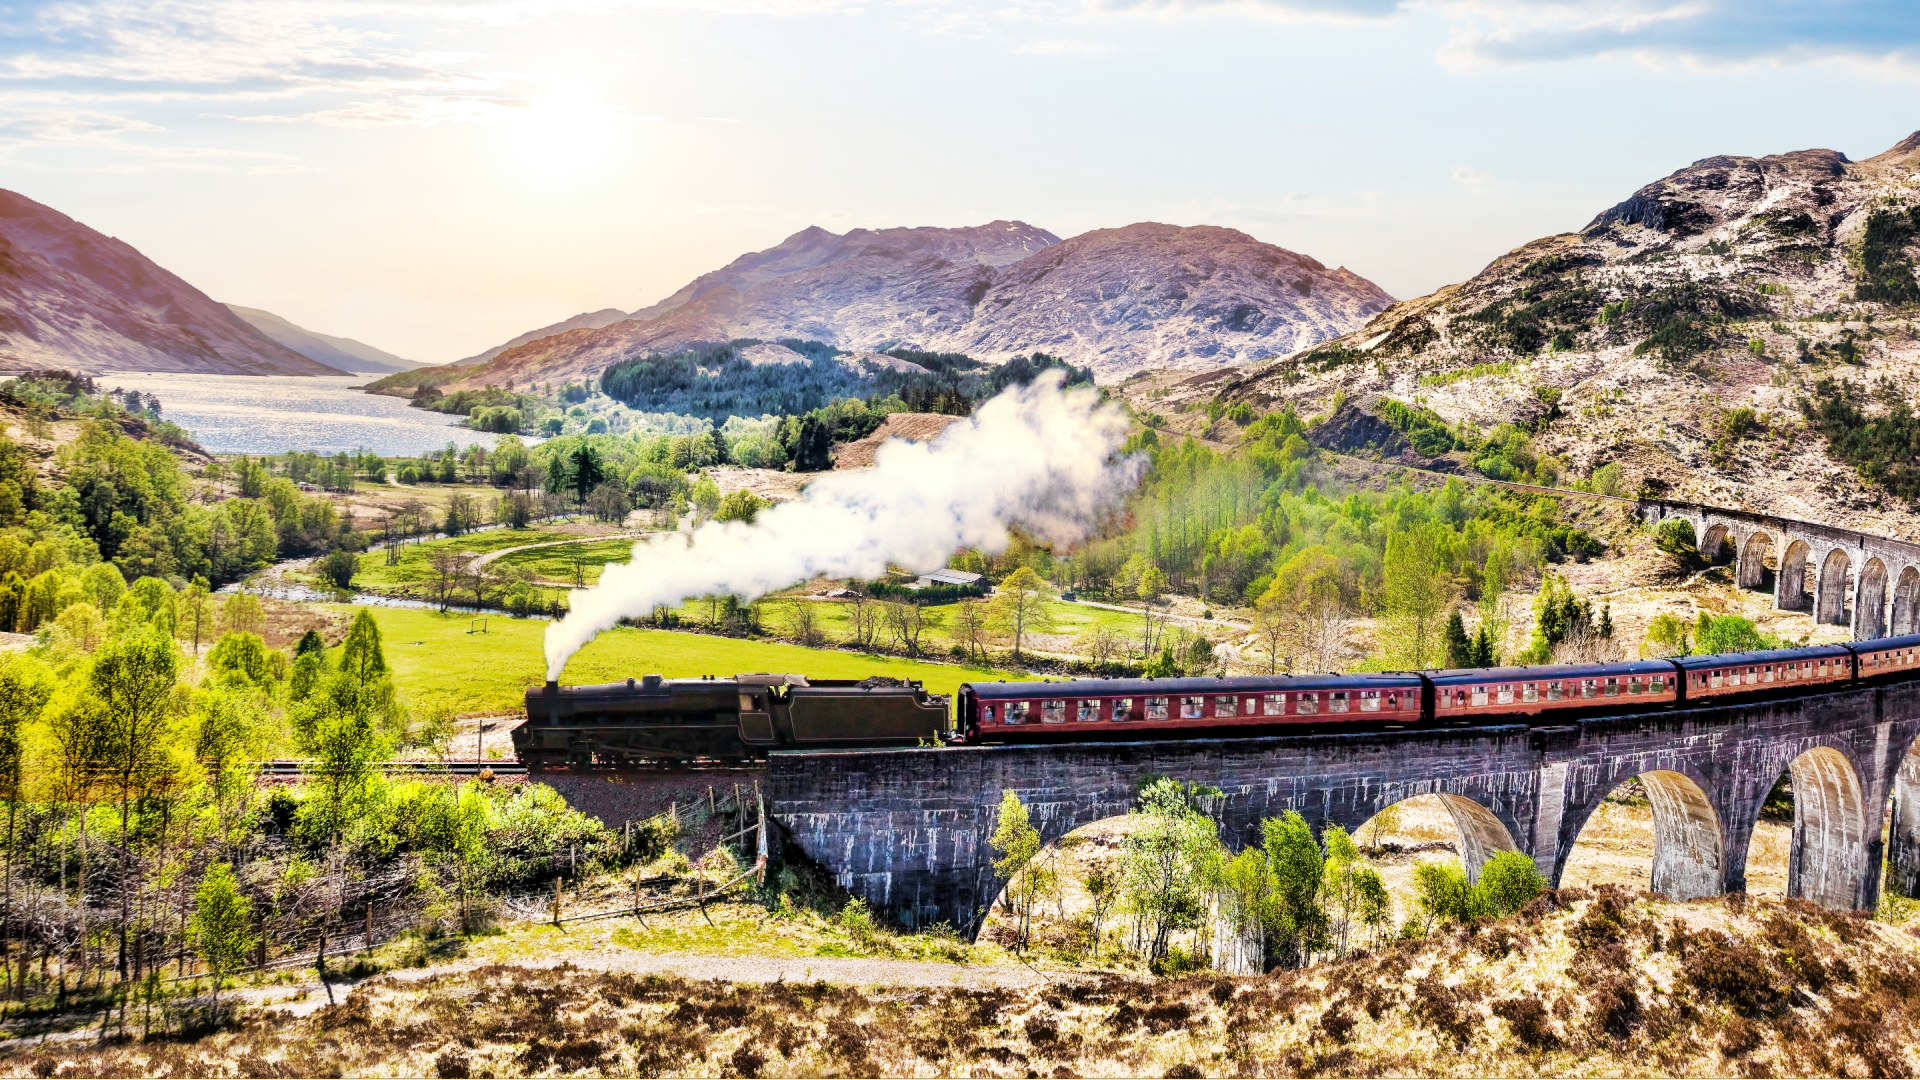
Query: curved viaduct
(907,829)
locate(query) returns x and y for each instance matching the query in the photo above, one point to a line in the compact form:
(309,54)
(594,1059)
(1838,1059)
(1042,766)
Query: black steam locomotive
(618,724)
(614,725)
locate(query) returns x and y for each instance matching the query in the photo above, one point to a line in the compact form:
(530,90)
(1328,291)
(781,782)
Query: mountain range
(1117,300)
(1739,332)
(73,298)
(338,352)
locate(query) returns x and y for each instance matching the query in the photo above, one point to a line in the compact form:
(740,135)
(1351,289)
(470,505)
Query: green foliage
(1015,842)
(1681,321)
(241,657)
(338,567)
(1559,615)
(1553,305)
(1675,537)
(1667,635)
(1885,270)
(1168,859)
(221,929)
(1429,434)
(741,505)
(1714,634)
(1508,882)
(1885,448)
(1299,922)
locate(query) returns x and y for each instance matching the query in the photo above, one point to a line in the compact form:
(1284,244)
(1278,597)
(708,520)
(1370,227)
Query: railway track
(293,767)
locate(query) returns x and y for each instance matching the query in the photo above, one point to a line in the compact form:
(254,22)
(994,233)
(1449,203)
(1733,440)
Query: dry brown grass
(1601,982)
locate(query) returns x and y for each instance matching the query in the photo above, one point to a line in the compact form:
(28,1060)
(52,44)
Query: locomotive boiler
(654,719)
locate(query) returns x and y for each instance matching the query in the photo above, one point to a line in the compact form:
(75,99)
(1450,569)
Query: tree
(334,725)
(1273,626)
(970,628)
(1667,635)
(360,653)
(1100,644)
(803,621)
(240,658)
(242,612)
(1166,860)
(1103,888)
(222,918)
(908,623)
(741,505)
(1246,899)
(1151,582)
(587,471)
(1458,645)
(26,685)
(863,616)
(133,680)
(445,567)
(1020,606)
(1300,922)
(1015,842)
(1417,588)
(338,568)
(196,612)
(225,723)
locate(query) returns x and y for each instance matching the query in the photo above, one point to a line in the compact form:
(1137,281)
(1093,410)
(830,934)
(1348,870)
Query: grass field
(414,569)
(556,563)
(435,658)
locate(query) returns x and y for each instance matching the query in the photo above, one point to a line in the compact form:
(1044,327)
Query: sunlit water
(271,414)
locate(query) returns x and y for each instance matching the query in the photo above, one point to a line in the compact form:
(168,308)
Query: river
(272,414)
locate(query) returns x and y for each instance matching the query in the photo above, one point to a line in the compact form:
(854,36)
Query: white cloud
(1067,47)
(1470,176)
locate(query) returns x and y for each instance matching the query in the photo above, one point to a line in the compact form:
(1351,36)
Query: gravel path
(300,999)
(492,555)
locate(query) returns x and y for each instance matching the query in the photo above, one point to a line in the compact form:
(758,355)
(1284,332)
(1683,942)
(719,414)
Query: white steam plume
(1036,455)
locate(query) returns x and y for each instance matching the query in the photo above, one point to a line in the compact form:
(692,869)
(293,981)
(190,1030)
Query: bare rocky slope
(73,298)
(1736,283)
(1118,300)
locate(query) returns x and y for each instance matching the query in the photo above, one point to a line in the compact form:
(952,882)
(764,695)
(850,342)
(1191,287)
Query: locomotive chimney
(553,686)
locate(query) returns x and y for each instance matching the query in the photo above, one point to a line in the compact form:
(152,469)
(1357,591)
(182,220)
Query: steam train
(654,719)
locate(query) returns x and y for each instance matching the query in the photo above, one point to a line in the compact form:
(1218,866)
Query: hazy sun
(566,134)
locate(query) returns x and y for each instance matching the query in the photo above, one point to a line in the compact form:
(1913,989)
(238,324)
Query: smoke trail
(1036,455)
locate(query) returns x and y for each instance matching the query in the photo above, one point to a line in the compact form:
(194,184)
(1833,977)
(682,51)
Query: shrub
(338,568)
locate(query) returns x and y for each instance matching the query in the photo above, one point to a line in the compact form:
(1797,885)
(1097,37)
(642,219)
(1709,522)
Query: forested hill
(1116,300)
(1740,332)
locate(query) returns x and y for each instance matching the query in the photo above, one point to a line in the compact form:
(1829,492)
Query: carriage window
(1369,701)
(1274,704)
(1589,687)
(1459,699)
(1089,710)
(1505,694)
(1053,712)
(1156,708)
(1479,695)
(1337,701)
(1226,706)
(1634,685)
(1530,692)
(1016,712)
(1307,703)
(989,714)
(1192,708)
(1716,679)
(1823,667)
(1766,673)
(1393,701)
(1555,690)
(1123,709)
(1657,684)
(1613,687)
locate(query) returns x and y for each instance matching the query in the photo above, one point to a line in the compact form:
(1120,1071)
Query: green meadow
(486,663)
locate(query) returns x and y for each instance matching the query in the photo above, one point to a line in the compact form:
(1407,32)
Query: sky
(435,176)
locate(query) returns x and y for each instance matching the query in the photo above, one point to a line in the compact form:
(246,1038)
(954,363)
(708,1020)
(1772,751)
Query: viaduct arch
(1870,584)
(907,828)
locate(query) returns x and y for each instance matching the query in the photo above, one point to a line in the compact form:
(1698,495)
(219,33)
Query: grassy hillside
(444,658)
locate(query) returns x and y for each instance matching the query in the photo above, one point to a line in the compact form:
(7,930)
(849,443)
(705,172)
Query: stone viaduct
(1846,578)
(907,829)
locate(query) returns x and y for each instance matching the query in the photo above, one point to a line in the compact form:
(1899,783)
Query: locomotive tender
(654,719)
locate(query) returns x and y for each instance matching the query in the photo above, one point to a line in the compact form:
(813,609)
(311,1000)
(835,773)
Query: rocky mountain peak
(1677,335)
